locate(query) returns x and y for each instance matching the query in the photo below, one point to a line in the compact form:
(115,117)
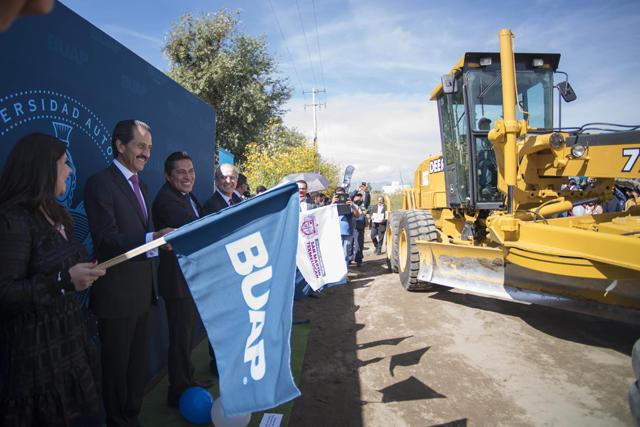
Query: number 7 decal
(632,154)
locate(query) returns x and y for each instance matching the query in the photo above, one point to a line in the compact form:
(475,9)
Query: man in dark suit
(174,206)
(359,224)
(224,196)
(119,214)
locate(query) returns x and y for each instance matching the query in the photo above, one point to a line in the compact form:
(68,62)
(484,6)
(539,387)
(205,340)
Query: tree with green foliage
(232,72)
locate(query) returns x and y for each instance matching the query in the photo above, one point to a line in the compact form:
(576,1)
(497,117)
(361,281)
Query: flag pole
(133,253)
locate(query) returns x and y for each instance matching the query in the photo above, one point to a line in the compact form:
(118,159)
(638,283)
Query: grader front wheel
(393,227)
(414,225)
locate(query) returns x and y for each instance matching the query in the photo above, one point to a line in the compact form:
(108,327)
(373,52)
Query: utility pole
(315,107)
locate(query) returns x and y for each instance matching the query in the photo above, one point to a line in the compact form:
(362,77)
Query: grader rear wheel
(414,225)
(392,239)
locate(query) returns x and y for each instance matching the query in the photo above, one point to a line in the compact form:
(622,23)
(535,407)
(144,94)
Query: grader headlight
(578,151)
(556,140)
(537,62)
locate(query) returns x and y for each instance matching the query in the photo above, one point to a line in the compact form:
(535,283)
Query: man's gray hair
(226,166)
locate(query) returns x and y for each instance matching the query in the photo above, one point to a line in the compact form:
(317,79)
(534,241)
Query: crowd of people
(50,372)
(355,214)
(625,195)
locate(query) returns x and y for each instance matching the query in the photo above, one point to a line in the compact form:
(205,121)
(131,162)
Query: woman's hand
(84,274)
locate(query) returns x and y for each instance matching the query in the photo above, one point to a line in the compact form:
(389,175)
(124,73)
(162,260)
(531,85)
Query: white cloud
(117,32)
(383,135)
(382,169)
(381,61)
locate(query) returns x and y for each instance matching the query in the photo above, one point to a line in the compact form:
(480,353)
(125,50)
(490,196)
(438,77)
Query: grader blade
(464,267)
(484,271)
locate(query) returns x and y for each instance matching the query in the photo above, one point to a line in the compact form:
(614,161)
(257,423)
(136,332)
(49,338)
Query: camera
(343,208)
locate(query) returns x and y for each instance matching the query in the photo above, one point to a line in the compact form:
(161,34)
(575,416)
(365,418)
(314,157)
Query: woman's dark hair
(174,157)
(30,174)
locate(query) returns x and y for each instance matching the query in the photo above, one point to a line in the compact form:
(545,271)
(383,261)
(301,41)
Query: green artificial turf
(156,412)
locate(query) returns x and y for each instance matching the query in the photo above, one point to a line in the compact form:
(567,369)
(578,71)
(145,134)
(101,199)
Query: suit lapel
(235,198)
(123,185)
(183,200)
(220,201)
(197,203)
(190,205)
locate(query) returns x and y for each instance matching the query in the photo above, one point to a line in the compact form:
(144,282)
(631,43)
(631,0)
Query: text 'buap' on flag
(240,267)
(320,258)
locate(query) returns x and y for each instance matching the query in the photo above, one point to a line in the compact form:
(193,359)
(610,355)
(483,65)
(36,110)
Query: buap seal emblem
(70,121)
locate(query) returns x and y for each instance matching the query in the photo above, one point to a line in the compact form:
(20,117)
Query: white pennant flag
(320,258)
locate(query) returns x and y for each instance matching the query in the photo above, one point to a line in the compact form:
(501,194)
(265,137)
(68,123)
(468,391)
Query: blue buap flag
(240,266)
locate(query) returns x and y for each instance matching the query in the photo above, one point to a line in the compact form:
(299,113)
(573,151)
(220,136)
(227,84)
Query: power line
(286,46)
(315,18)
(306,42)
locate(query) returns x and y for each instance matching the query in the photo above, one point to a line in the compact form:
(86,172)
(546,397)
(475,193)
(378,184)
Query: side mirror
(449,84)
(566,91)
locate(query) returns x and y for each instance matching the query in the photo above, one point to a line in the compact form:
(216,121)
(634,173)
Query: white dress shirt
(128,174)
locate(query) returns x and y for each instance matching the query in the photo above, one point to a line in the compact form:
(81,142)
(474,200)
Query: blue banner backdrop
(63,76)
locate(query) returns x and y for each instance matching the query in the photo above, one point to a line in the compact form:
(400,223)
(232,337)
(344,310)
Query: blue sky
(379,60)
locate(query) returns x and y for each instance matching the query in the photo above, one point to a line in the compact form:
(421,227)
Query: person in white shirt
(378,225)
(305,201)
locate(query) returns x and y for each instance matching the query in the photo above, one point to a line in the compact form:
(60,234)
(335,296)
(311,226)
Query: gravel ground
(381,356)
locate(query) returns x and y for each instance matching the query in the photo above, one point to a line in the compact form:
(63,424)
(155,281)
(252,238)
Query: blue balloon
(195,405)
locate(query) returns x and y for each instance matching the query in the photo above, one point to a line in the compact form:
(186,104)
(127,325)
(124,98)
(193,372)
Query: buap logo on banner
(240,266)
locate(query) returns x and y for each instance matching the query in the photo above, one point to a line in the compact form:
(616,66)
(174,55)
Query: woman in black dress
(47,365)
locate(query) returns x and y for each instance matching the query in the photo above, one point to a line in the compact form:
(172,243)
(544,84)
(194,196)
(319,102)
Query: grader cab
(489,214)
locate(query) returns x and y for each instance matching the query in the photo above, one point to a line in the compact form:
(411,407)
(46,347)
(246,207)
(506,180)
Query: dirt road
(381,356)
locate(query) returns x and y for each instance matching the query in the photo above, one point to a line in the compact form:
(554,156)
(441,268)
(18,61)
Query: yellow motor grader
(489,213)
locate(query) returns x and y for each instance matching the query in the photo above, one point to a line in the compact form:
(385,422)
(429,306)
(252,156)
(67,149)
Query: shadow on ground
(330,385)
(562,324)
(570,326)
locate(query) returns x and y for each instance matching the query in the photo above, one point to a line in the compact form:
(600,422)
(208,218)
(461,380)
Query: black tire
(634,401)
(635,359)
(414,225)
(391,236)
